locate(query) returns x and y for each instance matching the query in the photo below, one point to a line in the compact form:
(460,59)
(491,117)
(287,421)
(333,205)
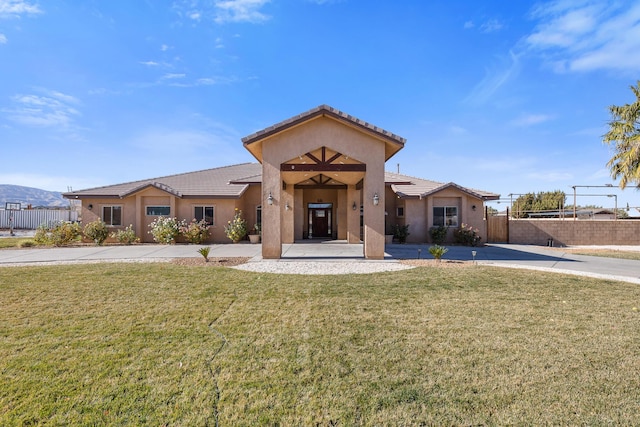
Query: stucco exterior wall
(134,211)
(418,213)
(570,232)
(310,136)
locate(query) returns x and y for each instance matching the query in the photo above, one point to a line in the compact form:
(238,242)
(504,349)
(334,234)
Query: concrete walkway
(513,256)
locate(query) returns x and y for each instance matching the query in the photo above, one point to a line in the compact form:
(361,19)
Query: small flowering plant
(165,229)
(466,235)
(126,236)
(236,229)
(195,231)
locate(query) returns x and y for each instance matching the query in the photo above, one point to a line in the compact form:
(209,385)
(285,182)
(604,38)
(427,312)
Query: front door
(320,220)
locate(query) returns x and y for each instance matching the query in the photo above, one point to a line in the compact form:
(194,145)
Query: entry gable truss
(393,143)
(335,163)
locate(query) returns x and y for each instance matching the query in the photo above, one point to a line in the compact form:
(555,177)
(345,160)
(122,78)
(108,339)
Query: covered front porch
(323,177)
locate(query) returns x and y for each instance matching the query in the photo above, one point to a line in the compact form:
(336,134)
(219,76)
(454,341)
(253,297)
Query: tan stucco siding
(296,142)
(89,215)
(415,214)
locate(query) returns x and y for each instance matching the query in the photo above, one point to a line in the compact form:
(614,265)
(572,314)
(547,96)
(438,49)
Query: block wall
(569,232)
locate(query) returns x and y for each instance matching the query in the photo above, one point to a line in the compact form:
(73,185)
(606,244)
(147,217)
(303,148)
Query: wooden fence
(30,219)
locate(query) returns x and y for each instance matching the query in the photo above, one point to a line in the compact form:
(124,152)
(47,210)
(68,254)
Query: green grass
(12,242)
(161,344)
(607,253)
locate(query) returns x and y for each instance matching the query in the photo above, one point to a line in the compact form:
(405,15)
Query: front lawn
(164,344)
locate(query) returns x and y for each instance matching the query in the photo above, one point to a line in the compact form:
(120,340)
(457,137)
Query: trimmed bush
(126,236)
(60,233)
(97,231)
(195,231)
(165,230)
(438,234)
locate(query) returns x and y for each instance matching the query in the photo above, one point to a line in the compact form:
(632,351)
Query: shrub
(97,231)
(195,231)
(126,236)
(400,232)
(165,229)
(438,251)
(236,229)
(60,233)
(204,251)
(466,235)
(438,234)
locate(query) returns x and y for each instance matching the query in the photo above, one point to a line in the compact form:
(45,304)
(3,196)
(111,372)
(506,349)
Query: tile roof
(215,182)
(409,186)
(232,182)
(319,111)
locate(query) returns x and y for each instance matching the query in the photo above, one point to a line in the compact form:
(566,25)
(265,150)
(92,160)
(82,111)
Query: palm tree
(624,135)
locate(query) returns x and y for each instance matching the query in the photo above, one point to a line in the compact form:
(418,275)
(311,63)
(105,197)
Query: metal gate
(497,228)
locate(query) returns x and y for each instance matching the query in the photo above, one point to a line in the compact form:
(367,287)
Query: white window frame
(204,214)
(447,218)
(111,208)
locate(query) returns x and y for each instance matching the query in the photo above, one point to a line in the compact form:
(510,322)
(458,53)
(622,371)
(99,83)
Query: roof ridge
(159,178)
(414,177)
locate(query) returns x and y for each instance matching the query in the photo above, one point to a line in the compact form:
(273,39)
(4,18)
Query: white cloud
(240,11)
(52,109)
(222,11)
(494,80)
(171,76)
(13,8)
(3,38)
(585,35)
(491,26)
(530,119)
(468,25)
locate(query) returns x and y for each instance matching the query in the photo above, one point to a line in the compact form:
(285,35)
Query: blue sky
(504,96)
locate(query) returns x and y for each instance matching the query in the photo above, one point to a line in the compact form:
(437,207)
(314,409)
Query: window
(158,210)
(204,212)
(112,215)
(445,216)
(400,211)
(259,215)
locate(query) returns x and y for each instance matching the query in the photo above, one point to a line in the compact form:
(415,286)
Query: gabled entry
(323,149)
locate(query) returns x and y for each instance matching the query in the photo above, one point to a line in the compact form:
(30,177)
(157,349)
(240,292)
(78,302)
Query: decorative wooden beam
(321,186)
(326,167)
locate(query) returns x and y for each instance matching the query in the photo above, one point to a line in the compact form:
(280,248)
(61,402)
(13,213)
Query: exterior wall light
(376,199)
(473,208)
(286,206)
(270,199)
(90,206)
(354,207)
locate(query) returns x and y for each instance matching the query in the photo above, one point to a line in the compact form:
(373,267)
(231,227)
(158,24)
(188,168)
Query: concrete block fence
(569,232)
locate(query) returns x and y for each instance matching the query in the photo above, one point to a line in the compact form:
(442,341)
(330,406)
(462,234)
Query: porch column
(374,213)
(287,215)
(353,215)
(271,217)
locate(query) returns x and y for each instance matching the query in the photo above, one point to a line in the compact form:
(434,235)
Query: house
(319,174)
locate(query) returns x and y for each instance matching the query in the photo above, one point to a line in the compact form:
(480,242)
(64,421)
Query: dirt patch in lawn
(213,262)
(433,263)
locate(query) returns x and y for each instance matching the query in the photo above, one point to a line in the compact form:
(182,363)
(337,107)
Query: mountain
(31,196)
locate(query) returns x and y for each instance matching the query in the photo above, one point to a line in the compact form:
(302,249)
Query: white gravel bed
(321,267)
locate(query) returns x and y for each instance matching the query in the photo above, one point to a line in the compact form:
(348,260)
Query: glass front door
(320,220)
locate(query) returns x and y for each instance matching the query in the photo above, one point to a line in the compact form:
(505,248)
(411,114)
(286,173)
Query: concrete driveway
(513,256)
